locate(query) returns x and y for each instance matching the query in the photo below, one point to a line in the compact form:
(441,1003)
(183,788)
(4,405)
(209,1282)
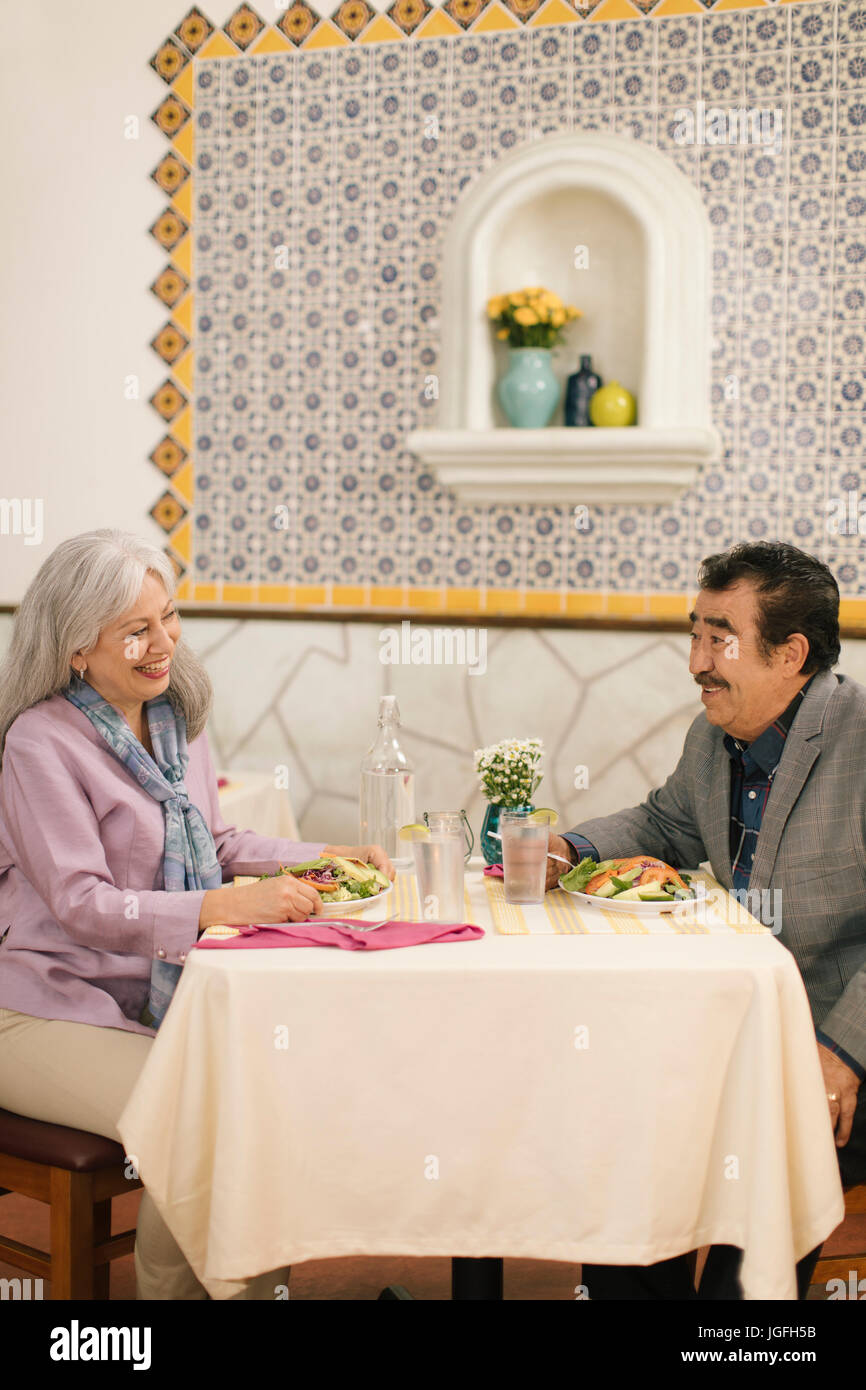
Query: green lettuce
(577,878)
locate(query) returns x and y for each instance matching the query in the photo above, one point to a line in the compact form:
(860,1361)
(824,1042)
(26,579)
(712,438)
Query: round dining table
(577,1085)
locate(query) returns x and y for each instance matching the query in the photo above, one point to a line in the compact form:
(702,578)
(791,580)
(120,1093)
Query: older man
(770,788)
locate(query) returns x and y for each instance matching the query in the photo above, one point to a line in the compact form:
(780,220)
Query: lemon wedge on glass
(543,815)
(413,832)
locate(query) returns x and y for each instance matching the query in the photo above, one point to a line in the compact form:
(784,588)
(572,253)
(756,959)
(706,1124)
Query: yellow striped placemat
(405,905)
(561,915)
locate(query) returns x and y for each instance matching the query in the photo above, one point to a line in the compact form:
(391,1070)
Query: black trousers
(671,1279)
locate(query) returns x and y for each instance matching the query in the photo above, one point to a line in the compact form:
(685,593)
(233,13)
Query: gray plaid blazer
(811,845)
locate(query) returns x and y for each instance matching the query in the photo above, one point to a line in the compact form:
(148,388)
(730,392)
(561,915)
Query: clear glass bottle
(387,788)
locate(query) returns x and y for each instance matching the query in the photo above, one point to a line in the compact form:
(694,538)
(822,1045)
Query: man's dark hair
(796,593)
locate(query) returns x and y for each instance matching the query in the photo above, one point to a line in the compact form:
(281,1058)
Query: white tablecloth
(600,1098)
(252,801)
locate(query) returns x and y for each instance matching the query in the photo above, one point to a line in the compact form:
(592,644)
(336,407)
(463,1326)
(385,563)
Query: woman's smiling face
(132,659)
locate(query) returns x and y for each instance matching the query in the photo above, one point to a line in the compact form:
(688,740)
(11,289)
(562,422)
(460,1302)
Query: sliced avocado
(642,895)
(607,890)
(302,868)
(352,868)
(379,876)
(630,875)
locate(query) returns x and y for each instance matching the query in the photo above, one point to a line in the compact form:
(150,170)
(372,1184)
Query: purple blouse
(81,884)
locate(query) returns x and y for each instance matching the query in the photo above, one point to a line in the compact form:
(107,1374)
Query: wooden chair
(841,1266)
(77,1174)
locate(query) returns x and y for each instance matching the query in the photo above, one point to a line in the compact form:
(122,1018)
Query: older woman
(113,850)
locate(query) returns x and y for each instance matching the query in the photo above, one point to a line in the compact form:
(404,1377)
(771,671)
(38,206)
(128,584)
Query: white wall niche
(645,302)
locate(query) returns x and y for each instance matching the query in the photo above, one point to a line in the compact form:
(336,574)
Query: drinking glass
(439,873)
(451,820)
(524,856)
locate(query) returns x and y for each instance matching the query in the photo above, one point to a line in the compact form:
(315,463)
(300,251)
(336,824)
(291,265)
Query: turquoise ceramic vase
(529,390)
(491,848)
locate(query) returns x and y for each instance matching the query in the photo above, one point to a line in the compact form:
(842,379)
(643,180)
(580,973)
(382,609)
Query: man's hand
(556,845)
(842,1082)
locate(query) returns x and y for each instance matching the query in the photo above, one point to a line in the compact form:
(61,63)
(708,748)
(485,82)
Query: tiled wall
(308,377)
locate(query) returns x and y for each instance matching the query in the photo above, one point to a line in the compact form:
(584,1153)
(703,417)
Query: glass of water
(452,820)
(439,873)
(524,855)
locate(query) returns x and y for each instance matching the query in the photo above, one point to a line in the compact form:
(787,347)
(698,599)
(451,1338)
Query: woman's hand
(371,854)
(280,898)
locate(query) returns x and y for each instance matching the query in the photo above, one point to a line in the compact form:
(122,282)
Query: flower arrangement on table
(509,772)
(532,322)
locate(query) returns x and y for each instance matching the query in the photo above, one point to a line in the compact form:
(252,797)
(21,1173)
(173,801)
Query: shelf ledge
(629,466)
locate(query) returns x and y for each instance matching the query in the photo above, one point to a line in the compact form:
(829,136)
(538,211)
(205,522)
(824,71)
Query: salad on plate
(338,880)
(641,878)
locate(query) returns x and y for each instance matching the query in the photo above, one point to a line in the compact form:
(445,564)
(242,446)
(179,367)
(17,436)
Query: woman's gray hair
(86,583)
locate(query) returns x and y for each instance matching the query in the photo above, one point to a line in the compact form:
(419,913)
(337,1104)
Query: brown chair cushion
(56,1145)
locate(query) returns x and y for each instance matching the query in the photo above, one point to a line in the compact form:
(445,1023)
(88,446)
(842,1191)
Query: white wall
(76,261)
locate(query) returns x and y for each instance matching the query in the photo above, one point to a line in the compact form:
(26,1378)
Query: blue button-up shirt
(753,766)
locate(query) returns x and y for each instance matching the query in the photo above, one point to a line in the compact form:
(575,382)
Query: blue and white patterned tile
(764,302)
(766,80)
(847,389)
(807,347)
(633,84)
(849,348)
(851,22)
(678,39)
(809,254)
(811,118)
(813,25)
(676,85)
(850,161)
(813,70)
(763,168)
(848,300)
(811,165)
(721,81)
(722,34)
(763,256)
(805,528)
(638,123)
(847,438)
(805,432)
(634,42)
(765,32)
(850,252)
(806,393)
(592,86)
(811,210)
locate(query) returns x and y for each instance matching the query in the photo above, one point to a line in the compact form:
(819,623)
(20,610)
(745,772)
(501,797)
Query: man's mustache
(703,684)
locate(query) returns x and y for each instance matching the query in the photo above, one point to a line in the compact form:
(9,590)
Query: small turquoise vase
(490,848)
(529,391)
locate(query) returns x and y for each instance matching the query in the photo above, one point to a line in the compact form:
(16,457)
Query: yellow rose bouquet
(533,317)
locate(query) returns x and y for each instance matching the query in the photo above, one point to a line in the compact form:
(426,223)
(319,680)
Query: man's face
(741,690)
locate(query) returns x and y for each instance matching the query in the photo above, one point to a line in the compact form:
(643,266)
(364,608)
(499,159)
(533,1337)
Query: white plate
(642,909)
(354,907)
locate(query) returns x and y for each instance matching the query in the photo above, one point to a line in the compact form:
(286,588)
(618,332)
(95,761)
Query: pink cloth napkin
(336,932)
(495,871)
